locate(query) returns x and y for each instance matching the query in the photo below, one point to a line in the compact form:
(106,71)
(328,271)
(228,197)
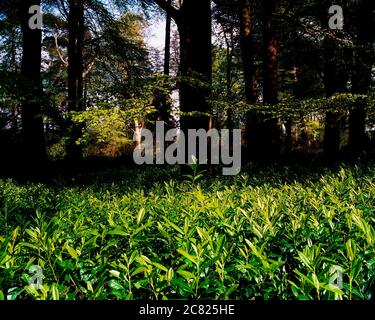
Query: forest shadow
(299,168)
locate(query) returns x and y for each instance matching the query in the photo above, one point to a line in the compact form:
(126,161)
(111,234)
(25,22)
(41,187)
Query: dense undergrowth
(274,234)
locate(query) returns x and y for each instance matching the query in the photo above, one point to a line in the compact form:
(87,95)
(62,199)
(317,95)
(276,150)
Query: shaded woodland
(79,87)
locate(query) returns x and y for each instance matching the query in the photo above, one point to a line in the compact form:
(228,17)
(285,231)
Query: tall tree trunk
(247,50)
(361,80)
(229,41)
(193,20)
(167,48)
(331,141)
(229,77)
(194,25)
(361,76)
(14,68)
(270,55)
(32,120)
(269,130)
(161,98)
(75,72)
(335,80)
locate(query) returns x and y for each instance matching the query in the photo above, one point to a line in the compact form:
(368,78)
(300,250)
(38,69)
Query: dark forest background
(82,85)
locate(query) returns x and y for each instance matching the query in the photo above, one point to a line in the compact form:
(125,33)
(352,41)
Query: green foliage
(265,235)
(196,173)
(111,122)
(122,61)
(108,129)
(297,109)
(57,150)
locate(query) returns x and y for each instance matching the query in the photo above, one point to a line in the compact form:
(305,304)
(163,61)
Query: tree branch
(171,10)
(88,69)
(59,52)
